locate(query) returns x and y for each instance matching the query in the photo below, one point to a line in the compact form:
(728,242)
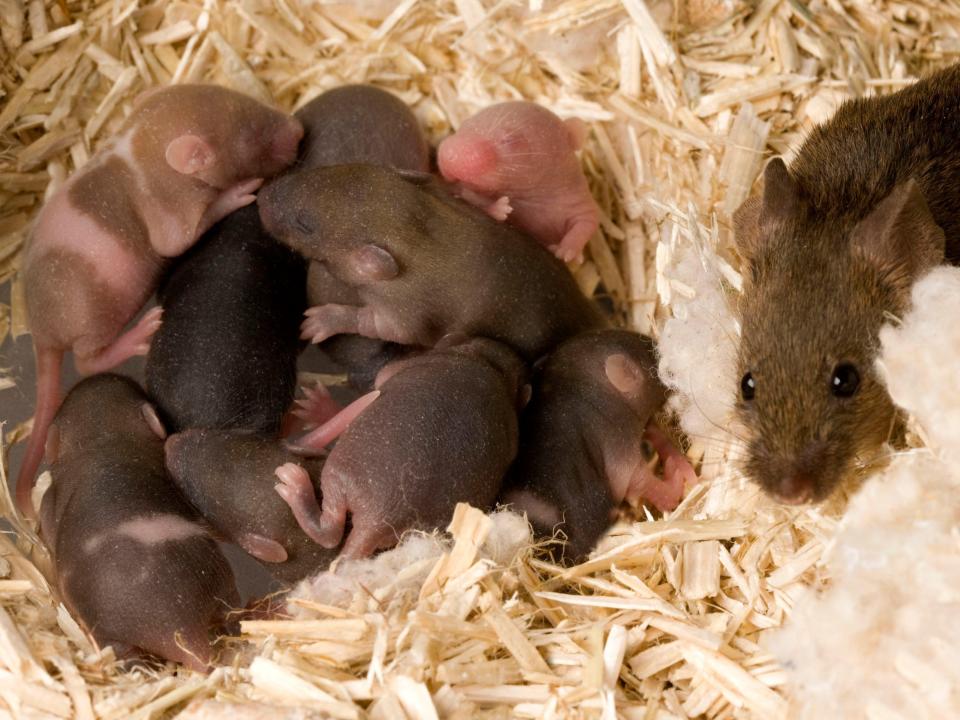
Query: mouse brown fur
(424,263)
(230,477)
(226,353)
(357,124)
(187,156)
(831,249)
(134,562)
(442,431)
(581,438)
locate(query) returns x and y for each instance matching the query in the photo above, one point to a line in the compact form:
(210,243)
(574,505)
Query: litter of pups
(453,315)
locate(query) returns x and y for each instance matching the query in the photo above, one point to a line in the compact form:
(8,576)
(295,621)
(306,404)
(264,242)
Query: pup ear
(189,154)
(756,217)
(150,416)
(624,374)
(900,238)
(371,263)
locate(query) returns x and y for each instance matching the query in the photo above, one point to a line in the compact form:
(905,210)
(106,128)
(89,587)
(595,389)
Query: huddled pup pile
(485,374)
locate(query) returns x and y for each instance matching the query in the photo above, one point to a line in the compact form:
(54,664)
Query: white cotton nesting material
(921,359)
(402,570)
(883,641)
(698,347)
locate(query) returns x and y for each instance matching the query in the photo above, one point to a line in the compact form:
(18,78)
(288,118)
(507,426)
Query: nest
(684,100)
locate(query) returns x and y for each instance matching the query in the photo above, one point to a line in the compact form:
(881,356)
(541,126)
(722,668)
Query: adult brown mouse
(830,250)
(581,440)
(231,478)
(226,353)
(357,124)
(187,156)
(442,431)
(424,263)
(134,562)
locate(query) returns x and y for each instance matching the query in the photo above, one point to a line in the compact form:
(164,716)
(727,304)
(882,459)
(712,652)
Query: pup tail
(49,363)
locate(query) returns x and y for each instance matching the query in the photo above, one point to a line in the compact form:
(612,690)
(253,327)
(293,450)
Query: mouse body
(830,250)
(231,478)
(357,124)
(443,430)
(581,439)
(424,264)
(134,563)
(518,161)
(226,353)
(187,156)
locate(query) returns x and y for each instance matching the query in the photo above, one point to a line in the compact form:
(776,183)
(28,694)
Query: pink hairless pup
(518,161)
(187,156)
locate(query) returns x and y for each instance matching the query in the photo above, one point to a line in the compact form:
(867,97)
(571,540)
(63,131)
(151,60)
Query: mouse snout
(286,141)
(267,206)
(466,159)
(795,489)
(799,476)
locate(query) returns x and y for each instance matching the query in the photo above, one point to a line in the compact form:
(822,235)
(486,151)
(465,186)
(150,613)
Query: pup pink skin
(581,452)
(187,156)
(134,562)
(443,431)
(518,161)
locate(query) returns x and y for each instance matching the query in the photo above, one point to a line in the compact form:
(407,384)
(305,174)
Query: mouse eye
(845,380)
(302,223)
(748,387)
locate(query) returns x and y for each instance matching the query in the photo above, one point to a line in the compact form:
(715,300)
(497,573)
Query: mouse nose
(795,489)
(286,142)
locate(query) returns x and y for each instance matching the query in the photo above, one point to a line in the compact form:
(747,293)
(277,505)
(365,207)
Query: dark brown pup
(135,564)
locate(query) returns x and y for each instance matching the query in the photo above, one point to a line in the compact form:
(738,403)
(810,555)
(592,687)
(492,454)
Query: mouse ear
(189,154)
(746,227)
(624,374)
(371,263)
(754,218)
(899,237)
(781,194)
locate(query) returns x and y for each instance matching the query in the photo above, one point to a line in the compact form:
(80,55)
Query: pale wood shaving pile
(684,100)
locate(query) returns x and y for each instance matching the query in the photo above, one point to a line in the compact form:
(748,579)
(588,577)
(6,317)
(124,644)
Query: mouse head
(512,368)
(817,290)
(215,135)
(102,407)
(619,362)
(324,210)
(508,147)
(361,124)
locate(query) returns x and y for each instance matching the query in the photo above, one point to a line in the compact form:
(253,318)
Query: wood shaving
(685,100)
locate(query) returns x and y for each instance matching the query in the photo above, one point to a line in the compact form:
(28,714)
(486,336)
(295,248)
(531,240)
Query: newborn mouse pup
(423,263)
(187,156)
(134,563)
(357,124)
(831,249)
(581,438)
(226,354)
(231,478)
(443,431)
(518,161)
